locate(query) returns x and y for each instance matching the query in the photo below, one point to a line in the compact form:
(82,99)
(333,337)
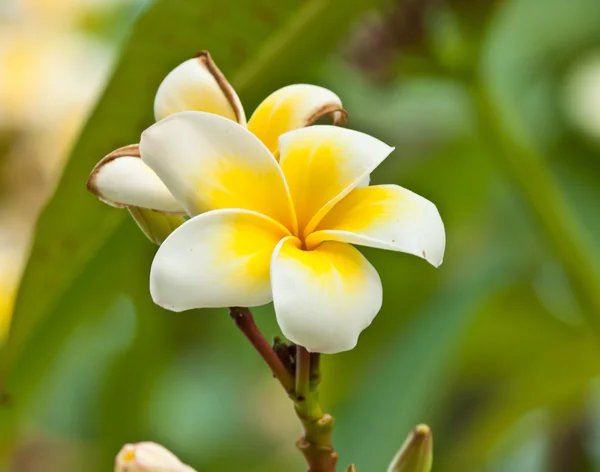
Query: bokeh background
(494,109)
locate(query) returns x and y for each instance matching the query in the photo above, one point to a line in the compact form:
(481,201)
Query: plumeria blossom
(148,457)
(275,206)
(121,179)
(280,226)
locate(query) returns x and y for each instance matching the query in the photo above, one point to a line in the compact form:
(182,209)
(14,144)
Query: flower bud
(416,454)
(148,457)
(198,85)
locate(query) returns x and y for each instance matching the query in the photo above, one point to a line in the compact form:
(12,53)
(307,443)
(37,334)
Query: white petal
(386,217)
(293,107)
(122,180)
(217,259)
(198,85)
(209,163)
(324,163)
(323,298)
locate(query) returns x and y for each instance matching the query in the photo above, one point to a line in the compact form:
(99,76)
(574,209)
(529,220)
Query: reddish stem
(245,322)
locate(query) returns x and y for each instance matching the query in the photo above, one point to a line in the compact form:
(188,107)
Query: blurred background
(494,109)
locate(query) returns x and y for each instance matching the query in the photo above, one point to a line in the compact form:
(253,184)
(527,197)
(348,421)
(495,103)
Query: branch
(315,443)
(245,322)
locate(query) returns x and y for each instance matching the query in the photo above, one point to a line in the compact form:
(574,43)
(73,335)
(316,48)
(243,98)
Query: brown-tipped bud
(416,454)
(351,468)
(198,85)
(148,457)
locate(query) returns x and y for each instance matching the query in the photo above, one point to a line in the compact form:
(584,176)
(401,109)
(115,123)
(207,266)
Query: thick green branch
(315,443)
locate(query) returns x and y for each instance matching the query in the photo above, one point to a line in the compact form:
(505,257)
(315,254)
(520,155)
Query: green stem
(315,443)
(302,372)
(526,167)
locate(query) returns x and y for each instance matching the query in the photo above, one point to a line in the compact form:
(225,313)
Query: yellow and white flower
(265,228)
(198,85)
(148,457)
(275,206)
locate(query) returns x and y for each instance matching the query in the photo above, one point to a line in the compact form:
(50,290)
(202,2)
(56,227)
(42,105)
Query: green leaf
(543,370)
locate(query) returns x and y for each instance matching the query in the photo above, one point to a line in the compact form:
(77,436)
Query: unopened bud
(198,85)
(416,454)
(148,457)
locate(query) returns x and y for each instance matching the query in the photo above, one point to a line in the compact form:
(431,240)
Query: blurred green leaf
(527,46)
(404,382)
(97,297)
(525,359)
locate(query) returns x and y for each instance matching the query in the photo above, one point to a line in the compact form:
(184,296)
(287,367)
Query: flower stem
(302,372)
(315,443)
(245,322)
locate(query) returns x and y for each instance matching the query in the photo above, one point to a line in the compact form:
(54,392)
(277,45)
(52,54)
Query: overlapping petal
(209,162)
(198,85)
(122,179)
(293,107)
(322,164)
(220,258)
(325,297)
(386,217)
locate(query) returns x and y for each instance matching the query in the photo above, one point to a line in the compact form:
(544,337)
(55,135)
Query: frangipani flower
(148,457)
(121,179)
(265,228)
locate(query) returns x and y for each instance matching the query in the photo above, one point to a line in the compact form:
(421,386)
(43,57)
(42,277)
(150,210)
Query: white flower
(275,206)
(148,457)
(265,229)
